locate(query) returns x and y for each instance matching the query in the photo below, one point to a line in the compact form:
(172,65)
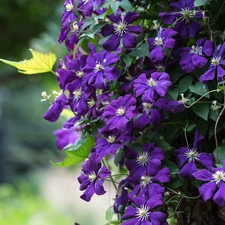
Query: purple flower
(121,29)
(112,141)
(99,69)
(214,184)
(66,136)
(150,88)
(146,162)
(188,158)
(92,178)
(150,114)
(87,7)
(163,40)
(119,112)
(68,18)
(195,56)
(150,184)
(172,106)
(56,108)
(72,71)
(183,18)
(216,66)
(141,213)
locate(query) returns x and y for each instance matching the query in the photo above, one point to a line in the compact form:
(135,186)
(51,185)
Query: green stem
(215,128)
(185,135)
(110,176)
(54,73)
(183,196)
(217,90)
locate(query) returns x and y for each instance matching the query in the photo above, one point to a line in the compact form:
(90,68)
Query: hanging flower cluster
(143,83)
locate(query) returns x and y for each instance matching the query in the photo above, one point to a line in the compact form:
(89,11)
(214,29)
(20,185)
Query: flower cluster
(124,80)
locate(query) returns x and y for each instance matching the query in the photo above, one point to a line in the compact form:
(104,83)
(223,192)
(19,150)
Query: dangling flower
(92,178)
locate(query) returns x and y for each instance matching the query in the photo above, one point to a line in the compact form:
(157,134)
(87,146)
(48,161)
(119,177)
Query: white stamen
(77,93)
(120,28)
(69,7)
(218,176)
(45,96)
(142,213)
(142,159)
(216,60)
(147,107)
(145,180)
(158,41)
(196,50)
(120,111)
(80,74)
(192,155)
(98,67)
(92,176)
(91,102)
(151,82)
(111,139)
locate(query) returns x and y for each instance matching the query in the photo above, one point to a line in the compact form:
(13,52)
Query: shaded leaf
(78,152)
(199,89)
(202,110)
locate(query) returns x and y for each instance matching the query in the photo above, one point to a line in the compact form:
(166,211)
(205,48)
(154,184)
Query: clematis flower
(66,136)
(112,141)
(214,184)
(146,162)
(150,88)
(150,184)
(68,17)
(99,69)
(188,158)
(216,69)
(141,213)
(92,178)
(121,29)
(163,40)
(184,18)
(87,7)
(119,112)
(56,108)
(196,55)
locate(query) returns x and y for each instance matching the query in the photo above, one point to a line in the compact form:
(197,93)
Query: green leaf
(199,89)
(191,127)
(221,153)
(40,63)
(201,2)
(174,93)
(202,110)
(77,152)
(127,60)
(109,214)
(114,6)
(141,51)
(125,4)
(185,83)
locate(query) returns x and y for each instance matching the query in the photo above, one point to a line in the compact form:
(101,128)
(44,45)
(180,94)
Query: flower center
(143,159)
(45,96)
(196,50)
(215,106)
(77,93)
(147,107)
(216,60)
(91,103)
(192,155)
(142,213)
(120,28)
(151,82)
(120,111)
(188,14)
(74,27)
(92,176)
(218,176)
(158,41)
(98,67)
(69,7)
(160,68)
(80,74)
(145,180)
(111,139)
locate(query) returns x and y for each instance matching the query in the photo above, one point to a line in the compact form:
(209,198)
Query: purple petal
(129,40)
(219,197)
(207,190)
(107,30)
(134,29)
(203,175)
(130,17)
(112,43)
(187,170)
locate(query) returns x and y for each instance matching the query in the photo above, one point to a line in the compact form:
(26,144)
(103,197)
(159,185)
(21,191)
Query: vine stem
(215,128)
(189,106)
(183,196)
(110,176)
(185,135)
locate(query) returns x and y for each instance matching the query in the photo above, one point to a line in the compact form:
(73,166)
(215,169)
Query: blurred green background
(32,192)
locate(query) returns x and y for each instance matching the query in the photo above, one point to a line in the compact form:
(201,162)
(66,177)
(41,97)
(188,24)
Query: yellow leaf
(40,63)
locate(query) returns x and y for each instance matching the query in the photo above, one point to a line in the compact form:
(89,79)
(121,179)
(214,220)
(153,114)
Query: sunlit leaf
(40,63)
